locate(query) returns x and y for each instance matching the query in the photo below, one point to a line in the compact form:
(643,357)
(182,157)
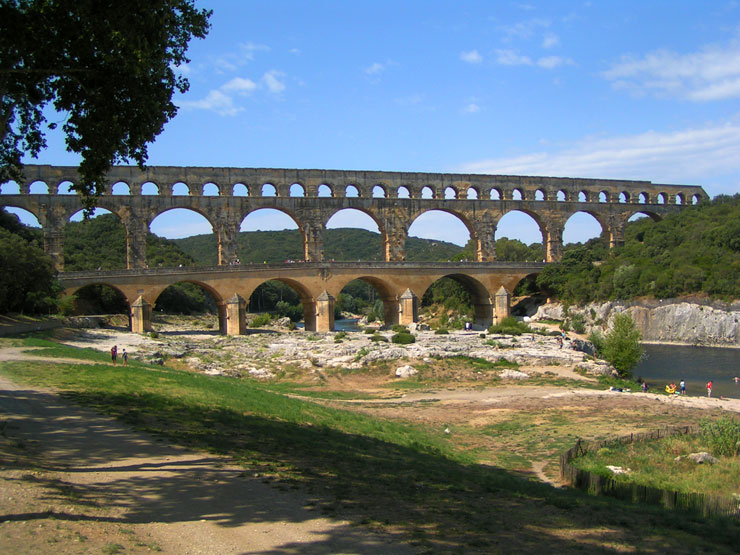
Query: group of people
(114,355)
(673,390)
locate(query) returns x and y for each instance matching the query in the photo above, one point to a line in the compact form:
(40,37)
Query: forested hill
(339,244)
(692,252)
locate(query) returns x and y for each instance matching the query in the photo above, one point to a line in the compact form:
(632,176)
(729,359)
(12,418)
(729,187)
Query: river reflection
(664,364)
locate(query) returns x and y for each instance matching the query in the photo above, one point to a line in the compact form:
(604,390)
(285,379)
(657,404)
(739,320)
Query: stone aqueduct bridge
(399,285)
(225,196)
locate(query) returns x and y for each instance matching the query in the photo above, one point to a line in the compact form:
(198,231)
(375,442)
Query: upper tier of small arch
(167,181)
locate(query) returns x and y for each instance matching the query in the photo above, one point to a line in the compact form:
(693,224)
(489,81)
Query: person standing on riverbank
(114,353)
(709,388)
(682,385)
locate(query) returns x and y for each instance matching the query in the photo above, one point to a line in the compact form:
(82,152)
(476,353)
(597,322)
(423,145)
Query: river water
(664,364)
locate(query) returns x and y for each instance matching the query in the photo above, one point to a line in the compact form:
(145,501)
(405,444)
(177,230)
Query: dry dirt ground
(72,481)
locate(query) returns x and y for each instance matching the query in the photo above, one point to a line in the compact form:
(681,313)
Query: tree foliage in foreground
(695,251)
(109,67)
(27,278)
(621,345)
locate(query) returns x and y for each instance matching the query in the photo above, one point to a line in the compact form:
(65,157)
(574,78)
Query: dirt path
(77,482)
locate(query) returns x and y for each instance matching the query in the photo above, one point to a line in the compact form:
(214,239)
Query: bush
(377,338)
(369,331)
(398,328)
(403,338)
(510,326)
(261,320)
(340,335)
(621,346)
(578,323)
(722,435)
(441,331)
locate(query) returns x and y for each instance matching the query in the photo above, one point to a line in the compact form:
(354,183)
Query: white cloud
(215,101)
(512,58)
(690,154)
(550,40)
(272,81)
(712,73)
(239,85)
(551,62)
(471,108)
(523,30)
(375,68)
(472,57)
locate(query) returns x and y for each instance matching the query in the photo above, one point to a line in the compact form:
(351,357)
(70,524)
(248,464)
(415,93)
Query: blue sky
(629,89)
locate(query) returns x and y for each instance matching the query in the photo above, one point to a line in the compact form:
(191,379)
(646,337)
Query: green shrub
(722,435)
(578,323)
(621,346)
(403,338)
(510,326)
(441,331)
(261,320)
(153,334)
(398,328)
(369,331)
(377,338)
(340,335)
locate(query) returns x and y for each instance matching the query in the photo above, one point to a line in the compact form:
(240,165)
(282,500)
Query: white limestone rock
(406,371)
(513,375)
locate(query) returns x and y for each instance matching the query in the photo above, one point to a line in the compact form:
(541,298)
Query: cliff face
(670,321)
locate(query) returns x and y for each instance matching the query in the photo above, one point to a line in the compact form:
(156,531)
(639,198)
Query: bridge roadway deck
(319,283)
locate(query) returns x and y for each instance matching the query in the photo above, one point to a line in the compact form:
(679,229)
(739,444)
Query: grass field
(383,471)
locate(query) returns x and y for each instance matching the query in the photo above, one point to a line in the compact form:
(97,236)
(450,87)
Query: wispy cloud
(223,99)
(524,29)
(550,40)
(513,58)
(712,73)
(375,68)
(272,80)
(690,154)
(471,108)
(472,57)
(551,62)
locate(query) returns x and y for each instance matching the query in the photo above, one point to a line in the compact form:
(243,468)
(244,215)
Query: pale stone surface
(406,371)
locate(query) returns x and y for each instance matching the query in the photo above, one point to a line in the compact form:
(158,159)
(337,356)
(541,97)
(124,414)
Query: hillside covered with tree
(695,251)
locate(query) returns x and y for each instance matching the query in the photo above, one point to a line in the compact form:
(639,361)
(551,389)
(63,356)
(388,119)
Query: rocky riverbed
(267,353)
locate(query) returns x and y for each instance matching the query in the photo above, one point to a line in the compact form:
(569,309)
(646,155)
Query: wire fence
(599,484)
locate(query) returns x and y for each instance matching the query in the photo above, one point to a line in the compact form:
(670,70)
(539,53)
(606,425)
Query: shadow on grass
(438,504)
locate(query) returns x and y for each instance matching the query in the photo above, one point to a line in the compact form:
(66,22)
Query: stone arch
(562,196)
(517,194)
(64,187)
(352,191)
(643,198)
(325,191)
(680,198)
(495,193)
(240,190)
(603,196)
(695,199)
(297,190)
(459,217)
(482,299)
(427,192)
(149,188)
(472,193)
(24,211)
(624,197)
(211,189)
(157,213)
(39,188)
(379,191)
(661,198)
(88,301)
(580,224)
(385,292)
(336,215)
(584,196)
(265,219)
(649,213)
(403,192)
(120,188)
(180,189)
(514,213)
(306,298)
(451,193)
(540,194)
(10,188)
(268,190)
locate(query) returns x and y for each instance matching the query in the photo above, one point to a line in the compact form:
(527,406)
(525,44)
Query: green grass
(415,480)
(653,464)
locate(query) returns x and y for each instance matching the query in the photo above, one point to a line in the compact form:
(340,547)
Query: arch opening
(581,227)
(268,190)
(211,190)
(520,225)
(99,299)
(352,234)
(324,191)
(188,306)
(96,243)
(149,188)
(65,188)
(427,192)
(39,188)
(539,194)
(269,235)
(14,217)
(274,299)
(403,192)
(240,190)
(454,300)
(379,191)
(350,191)
(10,188)
(472,193)
(120,188)
(364,301)
(436,235)
(297,190)
(180,189)
(561,196)
(450,193)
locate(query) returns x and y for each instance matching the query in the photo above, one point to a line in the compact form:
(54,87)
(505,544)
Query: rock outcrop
(666,321)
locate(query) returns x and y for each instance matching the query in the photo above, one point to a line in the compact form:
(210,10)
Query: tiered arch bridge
(225,196)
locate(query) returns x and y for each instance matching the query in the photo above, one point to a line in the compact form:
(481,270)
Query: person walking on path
(114,353)
(709,388)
